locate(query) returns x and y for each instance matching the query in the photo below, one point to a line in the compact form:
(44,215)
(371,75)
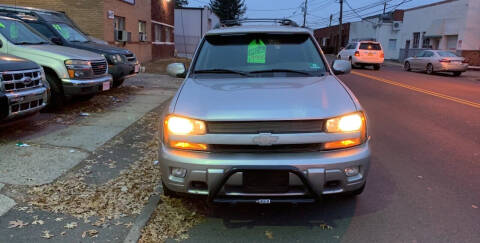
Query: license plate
(262,181)
(370,54)
(106,86)
(137,68)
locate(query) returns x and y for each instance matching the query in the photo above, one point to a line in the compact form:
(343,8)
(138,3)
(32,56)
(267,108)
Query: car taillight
(444,60)
(382,55)
(465,61)
(357,53)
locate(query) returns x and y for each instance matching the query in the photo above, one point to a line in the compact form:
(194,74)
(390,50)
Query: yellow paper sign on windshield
(256,52)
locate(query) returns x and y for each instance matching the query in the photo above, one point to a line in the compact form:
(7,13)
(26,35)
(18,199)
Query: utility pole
(305,14)
(384,7)
(331,16)
(339,45)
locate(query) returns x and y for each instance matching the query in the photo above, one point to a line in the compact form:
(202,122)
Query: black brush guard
(213,192)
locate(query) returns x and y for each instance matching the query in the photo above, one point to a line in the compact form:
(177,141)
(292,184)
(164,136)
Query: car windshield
(446,54)
(19,33)
(260,55)
(69,33)
(370,46)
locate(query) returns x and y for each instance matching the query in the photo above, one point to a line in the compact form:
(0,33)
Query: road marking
(439,95)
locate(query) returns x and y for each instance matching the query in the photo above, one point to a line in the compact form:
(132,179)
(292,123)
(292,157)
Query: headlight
(115,59)
(79,69)
(348,123)
(176,125)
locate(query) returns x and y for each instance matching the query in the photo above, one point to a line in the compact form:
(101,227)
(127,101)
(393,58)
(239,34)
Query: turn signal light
(382,55)
(188,146)
(347,143)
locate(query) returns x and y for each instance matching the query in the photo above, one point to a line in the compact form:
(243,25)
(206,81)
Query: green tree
(228,9)
(180,3)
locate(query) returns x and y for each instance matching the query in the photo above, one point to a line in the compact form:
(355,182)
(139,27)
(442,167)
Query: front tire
(456,74)
(167,192)
(56,99)
(117,83)
(429,69)
(407,67)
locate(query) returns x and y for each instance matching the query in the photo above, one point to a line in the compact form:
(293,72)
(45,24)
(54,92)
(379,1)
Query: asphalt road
(424,182)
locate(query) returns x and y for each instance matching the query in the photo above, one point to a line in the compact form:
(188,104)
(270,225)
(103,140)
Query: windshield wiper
(282,70)
(30,43)
(221,71)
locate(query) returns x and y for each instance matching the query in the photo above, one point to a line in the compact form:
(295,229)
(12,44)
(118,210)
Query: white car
(363,53)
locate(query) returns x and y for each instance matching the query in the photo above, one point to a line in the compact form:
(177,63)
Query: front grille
(131,57)
(281,148)
(255,127)
(21,80)
(99,67)
(25,106)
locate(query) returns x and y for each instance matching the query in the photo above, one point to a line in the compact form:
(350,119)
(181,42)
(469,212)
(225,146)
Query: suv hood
(100,48)
(13,63)
(66,52)
(277,98)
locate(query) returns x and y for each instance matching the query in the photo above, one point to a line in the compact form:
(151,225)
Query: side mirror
(177,70)
(56,41)
(341,67)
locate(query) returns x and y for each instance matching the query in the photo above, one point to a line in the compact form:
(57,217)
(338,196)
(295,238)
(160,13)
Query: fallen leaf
(38,221)
(92,233)
(71,225)
(46,234)
(17,224)
(128,225)
(325,226)
(474,206)
(269,234)
(64,233)
(59,219)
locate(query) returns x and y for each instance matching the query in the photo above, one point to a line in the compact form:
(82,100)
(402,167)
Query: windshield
(260,55)
(446,54)
(19,33)
(69,33)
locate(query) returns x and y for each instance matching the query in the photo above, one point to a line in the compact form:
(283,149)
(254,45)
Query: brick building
(328,37)
(144,26)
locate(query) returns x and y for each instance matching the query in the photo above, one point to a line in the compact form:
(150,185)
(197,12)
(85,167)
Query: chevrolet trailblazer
(262,118)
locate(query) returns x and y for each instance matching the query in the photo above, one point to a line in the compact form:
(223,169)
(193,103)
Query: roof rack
(239,22)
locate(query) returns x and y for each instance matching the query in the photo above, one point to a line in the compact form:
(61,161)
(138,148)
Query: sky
(319,10)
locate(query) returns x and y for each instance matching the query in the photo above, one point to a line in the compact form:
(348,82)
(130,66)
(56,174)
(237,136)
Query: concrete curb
(142,219)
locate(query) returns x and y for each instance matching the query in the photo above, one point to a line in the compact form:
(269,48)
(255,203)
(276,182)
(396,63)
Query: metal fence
(186,45)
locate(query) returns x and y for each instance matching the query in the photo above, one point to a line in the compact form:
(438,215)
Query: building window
(142,30)
(392,44)
(425,41)
(158,33)
(416,39)
(119,23)
(167,34)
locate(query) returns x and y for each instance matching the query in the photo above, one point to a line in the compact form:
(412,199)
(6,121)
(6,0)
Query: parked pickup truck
(61,30)
(70,72)
(22,90)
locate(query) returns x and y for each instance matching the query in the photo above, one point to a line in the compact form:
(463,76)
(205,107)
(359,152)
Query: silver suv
(262,118)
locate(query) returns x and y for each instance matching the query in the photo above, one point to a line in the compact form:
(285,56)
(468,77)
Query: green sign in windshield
(65,34)
(257,52)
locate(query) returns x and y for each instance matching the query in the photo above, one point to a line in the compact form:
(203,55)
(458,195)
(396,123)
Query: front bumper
(22,103)
(123,71)
(75,87)
(222,173)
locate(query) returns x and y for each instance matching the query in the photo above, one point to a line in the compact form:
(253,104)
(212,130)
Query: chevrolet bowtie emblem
(265,139)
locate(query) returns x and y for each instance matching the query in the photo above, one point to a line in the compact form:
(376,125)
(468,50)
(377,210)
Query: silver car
(262,118)
(432,61)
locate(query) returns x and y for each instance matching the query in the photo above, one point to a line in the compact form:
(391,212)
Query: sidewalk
(62,168)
